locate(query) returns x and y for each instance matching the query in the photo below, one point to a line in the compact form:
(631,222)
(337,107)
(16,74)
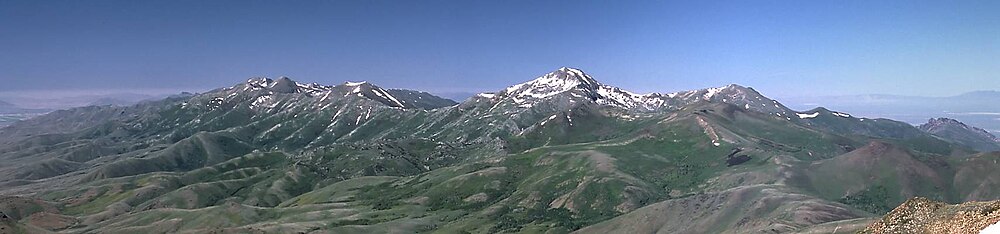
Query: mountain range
(976,108)
(32,104)
(560,153)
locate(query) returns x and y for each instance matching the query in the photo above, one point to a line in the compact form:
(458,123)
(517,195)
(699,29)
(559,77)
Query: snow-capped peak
(558,81)
(576,85)
(576,74)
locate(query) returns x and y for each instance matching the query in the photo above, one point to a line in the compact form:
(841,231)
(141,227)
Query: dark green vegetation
(559,154)
(873,200)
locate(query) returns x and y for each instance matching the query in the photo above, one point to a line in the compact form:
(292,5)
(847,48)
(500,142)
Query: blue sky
(783,48)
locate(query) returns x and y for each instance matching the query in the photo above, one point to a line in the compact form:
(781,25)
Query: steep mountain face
(960,133)
(559,153)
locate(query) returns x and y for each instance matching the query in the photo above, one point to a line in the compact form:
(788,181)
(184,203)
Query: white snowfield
(355,83)
(807,116)
(844,115)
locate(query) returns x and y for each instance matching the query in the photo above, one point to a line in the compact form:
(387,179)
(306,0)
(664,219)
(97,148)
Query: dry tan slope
(748,209)
(921,215)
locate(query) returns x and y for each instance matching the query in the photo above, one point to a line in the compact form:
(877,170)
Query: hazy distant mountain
(6,106)
(111,101)
(55,100)
(975,108)
(10,113)
(559,153)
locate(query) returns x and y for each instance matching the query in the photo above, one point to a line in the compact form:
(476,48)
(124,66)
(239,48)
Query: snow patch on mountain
(807,116)
(382,93)
(711,92)
(615,96)
(842,115)
(260,100)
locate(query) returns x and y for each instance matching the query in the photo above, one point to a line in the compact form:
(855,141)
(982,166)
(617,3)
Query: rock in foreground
(922,215)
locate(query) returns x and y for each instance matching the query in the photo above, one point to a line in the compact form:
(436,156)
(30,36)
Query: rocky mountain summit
(959,132)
